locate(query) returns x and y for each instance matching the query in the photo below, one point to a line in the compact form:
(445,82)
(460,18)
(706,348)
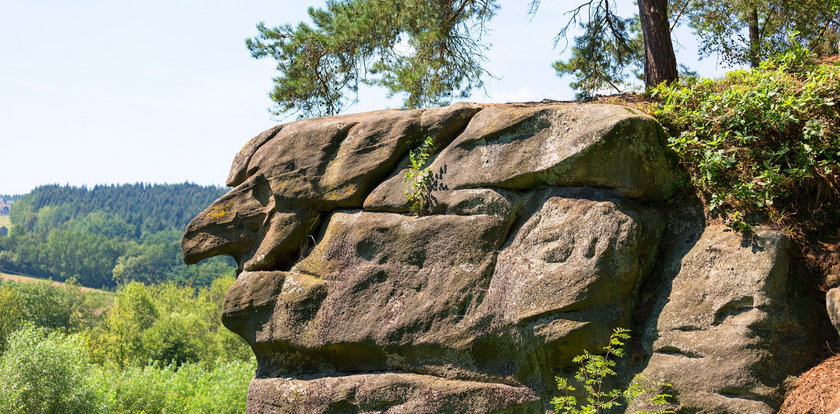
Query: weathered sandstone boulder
(549,225)
(730,327)
(525,147)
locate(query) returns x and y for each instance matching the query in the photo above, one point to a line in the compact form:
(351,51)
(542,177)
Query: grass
(5,222)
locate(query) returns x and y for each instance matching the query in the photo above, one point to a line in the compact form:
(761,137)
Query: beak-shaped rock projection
(539,229)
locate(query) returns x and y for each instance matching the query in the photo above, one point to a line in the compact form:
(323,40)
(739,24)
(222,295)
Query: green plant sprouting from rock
(757,142)
(419,178)
(593,372)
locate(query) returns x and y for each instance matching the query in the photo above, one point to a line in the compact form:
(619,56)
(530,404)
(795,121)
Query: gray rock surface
(545,224)
(729,331)
(387,393)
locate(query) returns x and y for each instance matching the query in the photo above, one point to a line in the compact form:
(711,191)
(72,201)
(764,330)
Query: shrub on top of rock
(758,139)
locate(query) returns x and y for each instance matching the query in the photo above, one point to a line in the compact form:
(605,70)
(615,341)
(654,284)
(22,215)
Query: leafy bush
(594,370)
(45,373)
(167,324)
(189,388)
(756,138)
(46,305)
(11,318)
(52,373)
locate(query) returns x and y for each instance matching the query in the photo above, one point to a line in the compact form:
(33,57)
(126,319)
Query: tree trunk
(660,62)
(755,40)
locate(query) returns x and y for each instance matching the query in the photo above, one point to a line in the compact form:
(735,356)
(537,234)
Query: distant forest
(108,235)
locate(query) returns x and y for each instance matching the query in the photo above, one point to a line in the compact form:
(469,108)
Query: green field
(4,221)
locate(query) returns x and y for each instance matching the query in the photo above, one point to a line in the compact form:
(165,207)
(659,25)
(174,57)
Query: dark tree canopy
(148,207)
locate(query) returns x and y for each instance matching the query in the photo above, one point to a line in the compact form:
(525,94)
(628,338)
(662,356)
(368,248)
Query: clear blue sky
(96,91)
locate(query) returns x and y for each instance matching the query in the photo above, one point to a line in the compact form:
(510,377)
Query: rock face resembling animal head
(541,229)
(286,176)
(246,225)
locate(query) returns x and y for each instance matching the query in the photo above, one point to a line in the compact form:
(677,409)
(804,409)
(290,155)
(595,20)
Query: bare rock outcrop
(732,317)
(549,225)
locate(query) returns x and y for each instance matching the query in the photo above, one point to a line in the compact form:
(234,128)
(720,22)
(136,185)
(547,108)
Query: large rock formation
(544,223)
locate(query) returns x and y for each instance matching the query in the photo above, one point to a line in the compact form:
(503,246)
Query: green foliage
(432,51)
(188,388)
(11,318)
(166,324)
(722,27)
(428,50)
(108,235)
(594,371)
(156,258)
(45,373)
(610,47)
(756,138)
(50,306)
(148,208)
(419,177)
(194,365)
(163,323)
(72,252)
(52,373)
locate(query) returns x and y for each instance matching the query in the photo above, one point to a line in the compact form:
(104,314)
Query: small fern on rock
(593,371)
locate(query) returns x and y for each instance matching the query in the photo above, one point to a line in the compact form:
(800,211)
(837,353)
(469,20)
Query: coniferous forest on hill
(105,236)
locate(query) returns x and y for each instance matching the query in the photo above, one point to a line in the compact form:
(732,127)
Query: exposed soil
(829,59)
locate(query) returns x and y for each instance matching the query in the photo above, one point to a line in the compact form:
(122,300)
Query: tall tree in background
(612,48)
(749,31)
(660,61)
(432,50)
